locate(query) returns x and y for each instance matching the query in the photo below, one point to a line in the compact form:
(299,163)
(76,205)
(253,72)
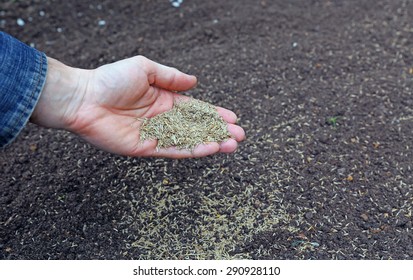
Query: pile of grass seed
(188,124)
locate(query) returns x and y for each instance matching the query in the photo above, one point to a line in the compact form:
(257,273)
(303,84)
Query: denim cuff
(22,76)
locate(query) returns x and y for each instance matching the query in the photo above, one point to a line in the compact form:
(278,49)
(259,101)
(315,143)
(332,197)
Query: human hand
(104,106)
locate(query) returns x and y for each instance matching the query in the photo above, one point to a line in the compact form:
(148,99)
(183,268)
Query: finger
(166,77)
(236,132)
(227,115)
(201,150)
(228,146)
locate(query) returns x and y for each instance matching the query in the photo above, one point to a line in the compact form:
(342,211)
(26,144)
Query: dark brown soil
(323,89)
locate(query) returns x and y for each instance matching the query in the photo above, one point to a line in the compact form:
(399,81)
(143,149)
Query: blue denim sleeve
(22,76)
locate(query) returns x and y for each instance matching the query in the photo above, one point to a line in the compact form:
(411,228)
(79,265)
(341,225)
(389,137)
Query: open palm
(116,96)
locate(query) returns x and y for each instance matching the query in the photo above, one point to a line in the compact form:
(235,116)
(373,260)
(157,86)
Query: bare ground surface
(322,88)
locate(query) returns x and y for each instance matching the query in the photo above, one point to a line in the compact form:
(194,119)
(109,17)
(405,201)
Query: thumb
(166,77)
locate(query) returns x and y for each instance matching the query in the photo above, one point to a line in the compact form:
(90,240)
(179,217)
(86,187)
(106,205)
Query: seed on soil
(364,217)
(186,125)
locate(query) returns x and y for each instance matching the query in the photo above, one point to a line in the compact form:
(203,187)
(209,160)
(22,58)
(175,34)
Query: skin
(103,106)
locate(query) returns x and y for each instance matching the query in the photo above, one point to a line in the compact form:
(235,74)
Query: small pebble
(42,13)
(295,44)
(59,29)
(20,22)
(308,215)
(364,217)
(102,23)
(176,3)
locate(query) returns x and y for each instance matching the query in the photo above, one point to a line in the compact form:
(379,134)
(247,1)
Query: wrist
(61,96)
